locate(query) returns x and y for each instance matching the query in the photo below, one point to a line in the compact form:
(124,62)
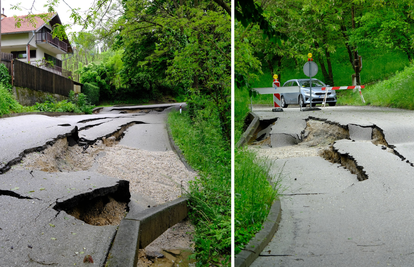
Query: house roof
(8,24)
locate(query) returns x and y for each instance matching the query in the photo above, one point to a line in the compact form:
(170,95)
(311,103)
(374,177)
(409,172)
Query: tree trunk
(322,63)
(324,72)
(269,63)
(355,63)
(330,73)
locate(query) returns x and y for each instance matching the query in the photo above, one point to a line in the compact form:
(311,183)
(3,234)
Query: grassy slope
(377,65)
(210,194)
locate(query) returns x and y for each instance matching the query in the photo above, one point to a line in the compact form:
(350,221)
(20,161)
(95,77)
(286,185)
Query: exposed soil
(101,211)
(171,248)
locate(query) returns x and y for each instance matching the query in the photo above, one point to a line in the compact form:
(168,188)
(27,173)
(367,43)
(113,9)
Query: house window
(23,55)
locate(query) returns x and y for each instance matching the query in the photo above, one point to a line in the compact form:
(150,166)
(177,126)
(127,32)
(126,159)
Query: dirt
(319,133)
(102,211)
(170,249)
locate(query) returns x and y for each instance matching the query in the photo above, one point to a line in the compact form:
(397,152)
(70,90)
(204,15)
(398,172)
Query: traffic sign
(310,69)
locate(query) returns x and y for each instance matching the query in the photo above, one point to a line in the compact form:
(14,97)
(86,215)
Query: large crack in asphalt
(14,194)
(322,133)
(112,136)
(6,166)
(102,206)
(124,110)
(333,155)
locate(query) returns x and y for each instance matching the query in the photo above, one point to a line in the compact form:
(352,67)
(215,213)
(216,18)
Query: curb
(253,249)
(248,134)
(177,150)
(140,228)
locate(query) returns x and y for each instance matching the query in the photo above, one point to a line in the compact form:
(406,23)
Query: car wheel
(283,102)
(301,102)
(332,104)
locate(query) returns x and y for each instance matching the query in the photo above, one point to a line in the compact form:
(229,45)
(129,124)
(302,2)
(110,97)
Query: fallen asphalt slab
(332,217)
(35,230)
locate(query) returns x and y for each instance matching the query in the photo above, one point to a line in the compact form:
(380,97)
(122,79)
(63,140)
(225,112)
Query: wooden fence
(28,76)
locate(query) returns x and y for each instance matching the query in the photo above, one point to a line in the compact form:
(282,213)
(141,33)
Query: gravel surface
(286,151)
(157,175)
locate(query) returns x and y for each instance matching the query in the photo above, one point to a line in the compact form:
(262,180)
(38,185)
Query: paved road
(329,217)
(33,229)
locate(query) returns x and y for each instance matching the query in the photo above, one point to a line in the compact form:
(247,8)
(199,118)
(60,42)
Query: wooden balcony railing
(47,37)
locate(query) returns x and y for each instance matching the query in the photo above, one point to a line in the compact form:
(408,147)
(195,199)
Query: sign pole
(310,69)
(310,81)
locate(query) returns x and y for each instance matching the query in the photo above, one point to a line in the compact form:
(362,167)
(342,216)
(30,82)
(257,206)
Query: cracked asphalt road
(329,217)
(32,232)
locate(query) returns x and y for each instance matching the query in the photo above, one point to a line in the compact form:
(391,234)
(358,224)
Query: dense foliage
(75,103)
(92,92)
(323,28)
(203,146)
(5,77)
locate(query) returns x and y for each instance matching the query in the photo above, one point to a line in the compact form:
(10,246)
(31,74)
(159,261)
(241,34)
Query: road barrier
(328,89)
(277,103)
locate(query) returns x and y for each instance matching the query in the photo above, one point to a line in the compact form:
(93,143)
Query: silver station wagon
(303,97)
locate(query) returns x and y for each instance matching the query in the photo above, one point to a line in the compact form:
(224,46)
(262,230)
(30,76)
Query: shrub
(92,92)
(7,102)
(5,77)
(75,103)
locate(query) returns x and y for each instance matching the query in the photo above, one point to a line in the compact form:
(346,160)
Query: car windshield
(315,83)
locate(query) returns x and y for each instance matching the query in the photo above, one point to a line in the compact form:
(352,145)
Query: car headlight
(306,92)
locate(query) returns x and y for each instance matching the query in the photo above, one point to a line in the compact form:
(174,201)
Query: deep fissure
(102,206)
(13,194)
(262,134)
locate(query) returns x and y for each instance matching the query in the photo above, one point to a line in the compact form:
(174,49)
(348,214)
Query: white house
(33,42)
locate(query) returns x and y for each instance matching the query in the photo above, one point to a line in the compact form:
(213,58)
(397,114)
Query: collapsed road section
(67,182)
(354,209)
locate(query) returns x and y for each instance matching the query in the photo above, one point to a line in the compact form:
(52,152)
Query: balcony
(43,64)
(45,40)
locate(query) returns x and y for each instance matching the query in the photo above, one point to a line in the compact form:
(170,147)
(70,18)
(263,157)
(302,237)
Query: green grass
(396,92)
(377,66)
(241,103)
(253,195)
(7,102)
(205,150)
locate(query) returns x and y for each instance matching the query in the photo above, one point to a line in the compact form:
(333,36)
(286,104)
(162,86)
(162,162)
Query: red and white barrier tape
(359,87)
(343,87)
